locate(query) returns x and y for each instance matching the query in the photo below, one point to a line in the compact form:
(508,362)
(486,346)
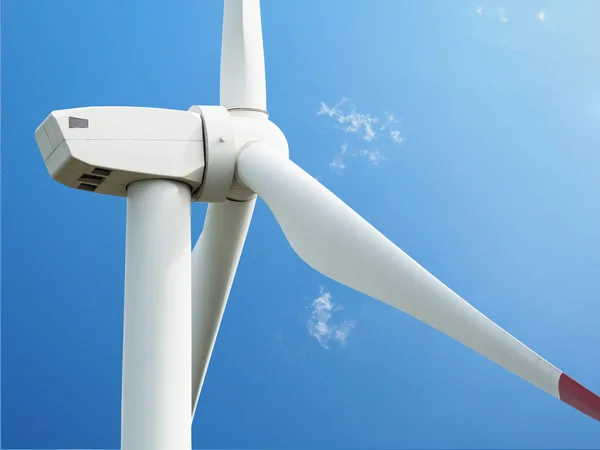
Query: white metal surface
(157,333)
(214,263)
(251,126)
(128,143)
(333,239)
(216,255)
(242,56)
(219,153)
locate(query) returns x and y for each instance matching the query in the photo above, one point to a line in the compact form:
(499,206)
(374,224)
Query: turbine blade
(214,263)
(333,239)
(242,56)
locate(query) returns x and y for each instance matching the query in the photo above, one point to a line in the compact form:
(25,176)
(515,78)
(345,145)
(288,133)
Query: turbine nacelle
(105,149)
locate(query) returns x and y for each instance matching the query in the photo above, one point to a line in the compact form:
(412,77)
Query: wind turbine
(162,160)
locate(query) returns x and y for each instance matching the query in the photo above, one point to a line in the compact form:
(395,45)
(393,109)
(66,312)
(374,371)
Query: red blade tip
(579,397)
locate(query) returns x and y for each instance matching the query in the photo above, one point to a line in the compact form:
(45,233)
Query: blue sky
(494,188)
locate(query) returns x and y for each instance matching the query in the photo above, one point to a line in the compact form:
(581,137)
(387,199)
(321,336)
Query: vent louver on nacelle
(87,187)
(101,172)
(90,181)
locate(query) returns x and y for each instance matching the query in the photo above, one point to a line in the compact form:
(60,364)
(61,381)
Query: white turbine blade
(214,263)
(333,239)
(242,56)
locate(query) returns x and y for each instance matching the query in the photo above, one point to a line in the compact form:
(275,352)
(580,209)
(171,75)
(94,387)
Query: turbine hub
(226,131)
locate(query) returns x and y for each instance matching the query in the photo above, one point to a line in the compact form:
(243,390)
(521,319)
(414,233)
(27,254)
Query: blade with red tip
(579,397)
(333,239)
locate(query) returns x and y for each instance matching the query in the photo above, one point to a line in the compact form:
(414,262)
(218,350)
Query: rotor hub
(226,131)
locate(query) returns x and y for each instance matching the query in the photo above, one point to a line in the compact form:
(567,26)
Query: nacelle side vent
(87,187)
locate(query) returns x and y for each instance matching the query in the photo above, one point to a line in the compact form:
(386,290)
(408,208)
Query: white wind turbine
(162,160)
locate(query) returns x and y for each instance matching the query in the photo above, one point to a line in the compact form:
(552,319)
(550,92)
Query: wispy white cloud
(522,34)
(342,331)
(373,156)
(541,16)
(320,325)
(396,137)
(499,13)
(391,125)
(365,126)
(369,133)
(332,111)
(339,162)
(354,121)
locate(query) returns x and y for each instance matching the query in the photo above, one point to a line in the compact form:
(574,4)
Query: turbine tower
(163,160)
